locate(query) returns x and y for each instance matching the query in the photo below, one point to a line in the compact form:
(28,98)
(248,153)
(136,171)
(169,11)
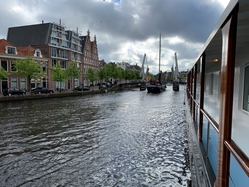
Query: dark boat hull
(143,86)
(175,86)
(155,89)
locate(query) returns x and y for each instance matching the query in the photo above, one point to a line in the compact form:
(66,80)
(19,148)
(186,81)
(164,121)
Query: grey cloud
(131,21)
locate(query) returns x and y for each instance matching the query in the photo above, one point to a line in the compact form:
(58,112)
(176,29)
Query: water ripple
(126,138)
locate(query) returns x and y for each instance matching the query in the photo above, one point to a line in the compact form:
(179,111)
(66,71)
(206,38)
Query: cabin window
(246,90)
(211,84)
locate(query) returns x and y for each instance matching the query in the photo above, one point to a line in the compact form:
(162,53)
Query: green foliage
(73,71)
(102,74)
(91,75)
(151,76)
(137,75)
(58,74)
(110,70)
(29,69)
(120,73)
(3,73)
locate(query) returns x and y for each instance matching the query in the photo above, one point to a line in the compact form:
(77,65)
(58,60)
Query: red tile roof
(4,43)
(26,50)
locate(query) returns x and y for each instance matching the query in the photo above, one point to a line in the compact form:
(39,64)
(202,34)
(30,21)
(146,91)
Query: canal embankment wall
(68,93)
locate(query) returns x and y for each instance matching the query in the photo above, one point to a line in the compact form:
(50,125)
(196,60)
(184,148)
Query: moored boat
(157,87)
(142,86)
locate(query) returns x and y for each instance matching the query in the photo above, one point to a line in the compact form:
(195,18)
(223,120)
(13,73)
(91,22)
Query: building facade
(58,45)
(10,53)
(90,55)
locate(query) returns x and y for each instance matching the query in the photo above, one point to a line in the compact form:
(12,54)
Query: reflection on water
(128,138)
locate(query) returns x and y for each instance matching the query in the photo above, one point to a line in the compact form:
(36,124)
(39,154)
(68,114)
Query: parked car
(102,86)
(41,90)
(82,88)
(109,84)
(13,91)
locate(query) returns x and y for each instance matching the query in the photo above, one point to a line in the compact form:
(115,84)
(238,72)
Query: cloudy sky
(127,29)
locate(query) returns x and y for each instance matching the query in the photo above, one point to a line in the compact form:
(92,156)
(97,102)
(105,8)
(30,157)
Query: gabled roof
(4,43)
(26,50)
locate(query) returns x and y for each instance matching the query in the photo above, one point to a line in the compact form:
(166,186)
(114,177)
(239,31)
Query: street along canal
(122,138)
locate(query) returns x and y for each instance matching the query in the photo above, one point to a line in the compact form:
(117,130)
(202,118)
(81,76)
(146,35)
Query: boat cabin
(218,103)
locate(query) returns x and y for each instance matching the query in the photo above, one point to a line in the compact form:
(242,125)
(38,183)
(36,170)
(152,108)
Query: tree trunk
(29,84)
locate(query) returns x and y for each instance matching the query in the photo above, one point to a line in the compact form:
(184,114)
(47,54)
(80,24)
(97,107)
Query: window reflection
(246,90)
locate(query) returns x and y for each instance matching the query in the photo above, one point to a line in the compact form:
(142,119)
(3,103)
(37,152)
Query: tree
(91,75)
(58,74)
(3,73)
(151,77)
(102,74)
(73,71)
(111,70)
(120,73)
(29,69)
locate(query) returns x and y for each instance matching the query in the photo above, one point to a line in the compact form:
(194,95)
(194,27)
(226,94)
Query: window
(53,52)
(4,65)
(23,83)
(63,54)
(38,54)
(44,82)
(11,50)
(63,64)
(13,68)
(246,90)
(211,84)
(13,82)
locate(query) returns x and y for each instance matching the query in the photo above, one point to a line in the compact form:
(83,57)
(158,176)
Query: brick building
(10,53)
(90,54)
(58,44)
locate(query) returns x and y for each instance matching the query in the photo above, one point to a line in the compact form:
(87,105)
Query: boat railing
(233,148)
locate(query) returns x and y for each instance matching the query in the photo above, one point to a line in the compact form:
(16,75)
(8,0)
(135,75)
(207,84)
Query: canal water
(124,138)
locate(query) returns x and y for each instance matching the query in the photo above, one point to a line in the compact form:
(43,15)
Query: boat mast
(142,69)
(176,73)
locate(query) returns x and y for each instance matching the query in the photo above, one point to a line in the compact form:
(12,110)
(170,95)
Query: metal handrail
(238,154)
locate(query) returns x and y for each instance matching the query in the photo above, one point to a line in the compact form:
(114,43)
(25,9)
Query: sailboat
(143,83)
(175,75)
(157,87)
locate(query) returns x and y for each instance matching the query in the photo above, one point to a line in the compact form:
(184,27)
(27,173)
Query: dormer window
(11,50)
(37,53)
